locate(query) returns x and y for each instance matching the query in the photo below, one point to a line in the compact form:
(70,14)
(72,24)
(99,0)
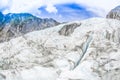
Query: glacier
(86,50)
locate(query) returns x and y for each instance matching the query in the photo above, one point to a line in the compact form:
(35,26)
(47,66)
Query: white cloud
(4,4)
(50,8)
(18,6)
(100,7)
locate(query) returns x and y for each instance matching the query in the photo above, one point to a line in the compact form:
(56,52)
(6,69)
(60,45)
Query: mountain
(114,13)
(79,50)
(1,19)
(13,25)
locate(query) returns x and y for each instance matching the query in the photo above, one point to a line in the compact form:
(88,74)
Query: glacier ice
(90,52)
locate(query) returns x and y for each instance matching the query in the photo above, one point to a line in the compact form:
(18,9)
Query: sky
(60,10)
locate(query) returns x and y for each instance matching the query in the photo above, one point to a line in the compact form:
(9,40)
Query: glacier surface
(86,50)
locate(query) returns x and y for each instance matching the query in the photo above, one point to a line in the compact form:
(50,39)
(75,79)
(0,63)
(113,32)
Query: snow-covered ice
(90,51)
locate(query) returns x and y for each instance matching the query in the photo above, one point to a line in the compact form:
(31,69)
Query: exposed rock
(114,13)
(68,29)
(91,52)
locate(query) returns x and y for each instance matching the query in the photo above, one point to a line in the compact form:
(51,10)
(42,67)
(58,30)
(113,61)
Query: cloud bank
(99,7)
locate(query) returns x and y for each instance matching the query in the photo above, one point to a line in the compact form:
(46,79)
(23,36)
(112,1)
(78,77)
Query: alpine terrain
(32,48)
(78,50)
(114,13)
(17,24)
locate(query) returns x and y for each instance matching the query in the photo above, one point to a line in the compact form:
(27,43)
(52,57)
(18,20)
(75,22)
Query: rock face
(114,13)
(68,29)
(12,25)
(90,52)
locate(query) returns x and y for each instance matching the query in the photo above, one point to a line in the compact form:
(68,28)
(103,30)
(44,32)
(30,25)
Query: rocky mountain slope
(114,13)
(12,25)
(81,50)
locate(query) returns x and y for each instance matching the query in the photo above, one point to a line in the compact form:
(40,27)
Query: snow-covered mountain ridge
(16,24)
(80,50)
(114,13)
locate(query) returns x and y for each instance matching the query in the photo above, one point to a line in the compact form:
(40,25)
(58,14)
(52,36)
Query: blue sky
(61,10)
(68,12)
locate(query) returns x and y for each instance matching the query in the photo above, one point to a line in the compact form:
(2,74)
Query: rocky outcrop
(114,13)
(91,52)
(68,29)
(14,25)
